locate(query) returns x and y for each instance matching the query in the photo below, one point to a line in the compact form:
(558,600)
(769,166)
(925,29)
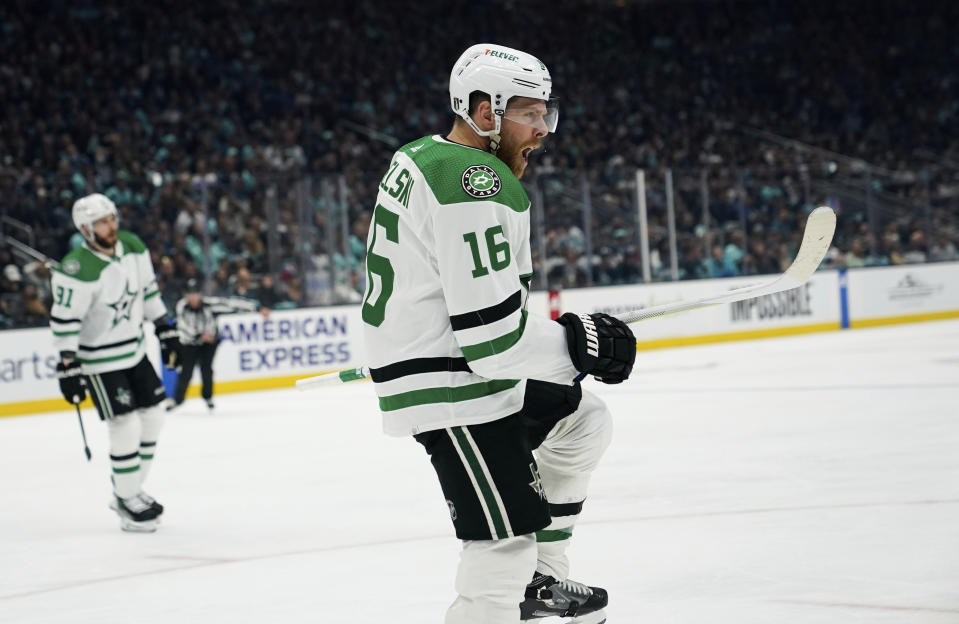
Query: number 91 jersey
(100,303)
(448,338)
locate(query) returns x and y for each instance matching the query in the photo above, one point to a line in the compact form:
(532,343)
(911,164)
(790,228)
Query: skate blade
(596,617)
(130,526)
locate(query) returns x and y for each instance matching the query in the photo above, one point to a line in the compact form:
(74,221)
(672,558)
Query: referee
(196,322)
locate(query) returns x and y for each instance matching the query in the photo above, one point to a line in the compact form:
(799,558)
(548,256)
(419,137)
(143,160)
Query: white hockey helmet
(87,210)
(502,73)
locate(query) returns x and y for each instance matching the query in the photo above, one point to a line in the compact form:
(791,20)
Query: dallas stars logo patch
(123,397)
(71,266)
(481,181)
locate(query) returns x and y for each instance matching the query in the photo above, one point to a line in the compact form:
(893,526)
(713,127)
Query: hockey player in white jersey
(103,292)
(490,391)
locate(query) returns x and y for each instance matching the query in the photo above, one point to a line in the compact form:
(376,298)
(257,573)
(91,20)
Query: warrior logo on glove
(600,345)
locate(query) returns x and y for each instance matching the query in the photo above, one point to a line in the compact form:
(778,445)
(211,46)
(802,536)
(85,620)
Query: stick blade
(817,237)
(820,227)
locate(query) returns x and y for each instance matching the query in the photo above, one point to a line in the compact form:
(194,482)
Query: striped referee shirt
(192,322)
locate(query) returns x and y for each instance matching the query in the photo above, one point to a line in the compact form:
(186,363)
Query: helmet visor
(543,115)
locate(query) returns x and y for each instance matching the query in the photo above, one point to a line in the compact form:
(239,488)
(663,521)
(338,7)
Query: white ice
(807,479)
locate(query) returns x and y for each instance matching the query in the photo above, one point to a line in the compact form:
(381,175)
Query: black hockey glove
(72,384)
(169,342)
(600,345)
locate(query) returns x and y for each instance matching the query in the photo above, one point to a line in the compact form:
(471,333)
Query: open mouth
(526,152)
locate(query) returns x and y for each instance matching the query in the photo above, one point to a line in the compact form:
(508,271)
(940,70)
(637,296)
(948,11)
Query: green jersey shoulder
(131,242)
(457,174)
(82,264)
(86,266)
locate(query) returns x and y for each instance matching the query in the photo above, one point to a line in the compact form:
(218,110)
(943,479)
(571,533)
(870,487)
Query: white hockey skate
(136,515)
(546,598)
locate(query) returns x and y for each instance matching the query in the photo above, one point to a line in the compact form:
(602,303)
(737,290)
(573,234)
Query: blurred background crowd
(243,141)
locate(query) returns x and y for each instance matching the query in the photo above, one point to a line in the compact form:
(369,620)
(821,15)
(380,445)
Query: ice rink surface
(809,479)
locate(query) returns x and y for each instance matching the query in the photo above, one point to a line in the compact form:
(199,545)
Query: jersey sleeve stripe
(417,366)
(488,315)
(151,294)
(67,333)
(445,395)
(497,345)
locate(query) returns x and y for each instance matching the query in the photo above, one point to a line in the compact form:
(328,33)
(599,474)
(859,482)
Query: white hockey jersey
(100,303)
(448,338)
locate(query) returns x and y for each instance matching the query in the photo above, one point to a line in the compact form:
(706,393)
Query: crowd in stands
(189,114)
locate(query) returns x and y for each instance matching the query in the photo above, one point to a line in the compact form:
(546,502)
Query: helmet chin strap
(494,138)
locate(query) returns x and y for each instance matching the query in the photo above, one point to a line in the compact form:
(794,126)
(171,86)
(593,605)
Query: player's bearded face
(105,232)
(522,131)
(516,144)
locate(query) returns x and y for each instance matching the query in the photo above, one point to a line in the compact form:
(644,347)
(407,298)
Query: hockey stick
(334,378)
(820,227)
(83,433)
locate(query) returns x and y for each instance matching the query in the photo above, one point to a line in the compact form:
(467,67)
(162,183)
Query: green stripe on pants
(554,535)
(102,395)
(486,488)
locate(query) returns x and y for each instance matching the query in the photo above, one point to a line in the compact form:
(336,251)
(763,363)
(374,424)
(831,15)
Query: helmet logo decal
(502,55)
(481,181)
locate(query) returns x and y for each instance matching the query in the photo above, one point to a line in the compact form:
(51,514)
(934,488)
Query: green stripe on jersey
(112,358)
(456,394)
(68,333)
(151,294)
(486,488)
(525,279)
(497,345)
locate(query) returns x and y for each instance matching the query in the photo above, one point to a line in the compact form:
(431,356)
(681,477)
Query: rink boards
(257,353)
